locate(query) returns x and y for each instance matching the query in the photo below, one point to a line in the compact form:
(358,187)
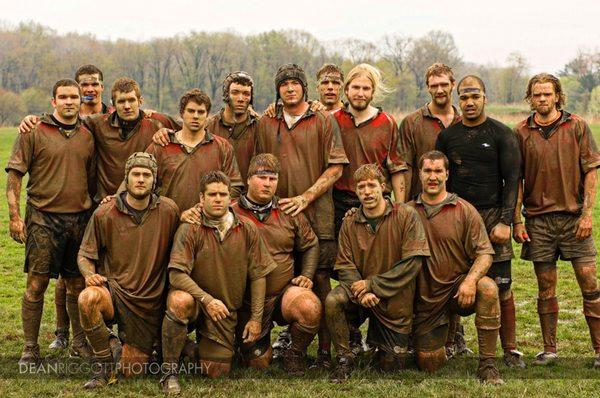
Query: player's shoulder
(168,204)
(499,126)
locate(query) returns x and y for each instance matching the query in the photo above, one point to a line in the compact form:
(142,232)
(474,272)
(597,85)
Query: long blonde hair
(380,90)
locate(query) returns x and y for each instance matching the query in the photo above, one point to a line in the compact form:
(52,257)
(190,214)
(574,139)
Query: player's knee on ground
(546,275)
(181,304)
(215,358)
(301,305)
(36,287)
(258,355)
(430,349)
(133,361)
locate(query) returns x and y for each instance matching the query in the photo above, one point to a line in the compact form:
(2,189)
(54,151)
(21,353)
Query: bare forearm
(86,266)
(324,182)
(407,182)
(589,191)
(480,267)
(13,193)
(399,187)
(519,204)
(257,298)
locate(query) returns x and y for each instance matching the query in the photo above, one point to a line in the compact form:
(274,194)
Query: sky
(548,33)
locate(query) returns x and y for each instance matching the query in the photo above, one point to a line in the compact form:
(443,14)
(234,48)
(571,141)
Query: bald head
(470,83)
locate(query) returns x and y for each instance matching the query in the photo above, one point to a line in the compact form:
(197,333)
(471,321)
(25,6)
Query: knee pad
(431,361)
(263,361)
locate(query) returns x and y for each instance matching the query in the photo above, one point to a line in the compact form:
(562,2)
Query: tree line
(33,57)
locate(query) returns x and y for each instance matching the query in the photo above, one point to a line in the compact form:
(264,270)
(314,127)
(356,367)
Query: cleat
(30,355)
(342,371)
(170,384)
(294,363)
(81,350)
(323,360)
(545,358)
(61,341)
(102,378)
(488,372)
(514,359)
(283,342)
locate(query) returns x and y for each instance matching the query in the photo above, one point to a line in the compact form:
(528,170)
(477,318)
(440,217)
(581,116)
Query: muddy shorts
(552,236)
(491,218)
(53,241)
(139,332)
(215,339)
(342,202)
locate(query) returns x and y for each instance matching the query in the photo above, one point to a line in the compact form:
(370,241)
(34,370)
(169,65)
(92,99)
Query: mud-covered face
(239,98)
(291,92)
(67,102)
(370,193)
(91,87)
(215,200)
(127,105)
(330,89)
(194,116)
(262,186)
(140,181)
(359,93)
(433,175)
(544,99)
(440,88)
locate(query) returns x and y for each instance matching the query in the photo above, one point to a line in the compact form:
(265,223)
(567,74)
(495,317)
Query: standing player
(452,280)
(312,158)
(330,80)
(419,130)
(484,155)
(123,257)
(381,250)
(58,155)
(213,265)
(289,299)
(192,152)
(560,158)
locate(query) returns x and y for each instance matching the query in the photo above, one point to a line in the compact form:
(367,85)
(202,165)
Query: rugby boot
(597,362)
(343,369)
(189,353)
(284,339)
(30,355)
(116,348)
(356,344)
(294,362)
(460,345)
(61,340)
(170,384)
(81,350)
(545,358)
(323,360)
(514,359)
(104,374)
(488,372)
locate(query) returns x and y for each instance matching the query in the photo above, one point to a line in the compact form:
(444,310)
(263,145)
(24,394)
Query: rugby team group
(184,240)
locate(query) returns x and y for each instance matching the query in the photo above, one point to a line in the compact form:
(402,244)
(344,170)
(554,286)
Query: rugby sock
(487,334)
(98,338)
(508,324)
(73,311)
(31,315)
(302,336)
(60,302)
(174,337)
(548,313)
(591,310)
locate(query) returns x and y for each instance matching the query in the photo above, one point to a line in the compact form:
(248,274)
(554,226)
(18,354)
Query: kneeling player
(130,237)
(452,280)
(288,300)
(210,266)
(381,248)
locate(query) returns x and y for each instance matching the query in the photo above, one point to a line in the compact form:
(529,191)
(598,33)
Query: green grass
(573,376)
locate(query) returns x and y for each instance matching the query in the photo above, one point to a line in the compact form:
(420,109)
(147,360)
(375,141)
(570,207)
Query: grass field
(572,376)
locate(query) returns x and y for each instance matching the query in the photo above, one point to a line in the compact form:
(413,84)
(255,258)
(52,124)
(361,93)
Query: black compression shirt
(484,165)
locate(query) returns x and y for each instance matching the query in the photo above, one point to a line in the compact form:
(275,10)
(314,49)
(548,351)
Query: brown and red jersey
(305,151)
(59,163)
(374,141)
(283,236)
(554,164)
(398,236)
(113,147)
(241,136)
(181,168)
(456,236)
(418,134)
(133,255)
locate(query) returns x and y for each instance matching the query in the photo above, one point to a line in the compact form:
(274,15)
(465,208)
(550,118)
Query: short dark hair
(264,161)
(546,78)
(471,77)
(330,69)
(194,95)
(212,177)
(88,70)
(434,155)
(65,83)
(369,171)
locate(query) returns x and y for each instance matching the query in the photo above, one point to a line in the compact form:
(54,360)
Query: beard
(360,106)
(140,195)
